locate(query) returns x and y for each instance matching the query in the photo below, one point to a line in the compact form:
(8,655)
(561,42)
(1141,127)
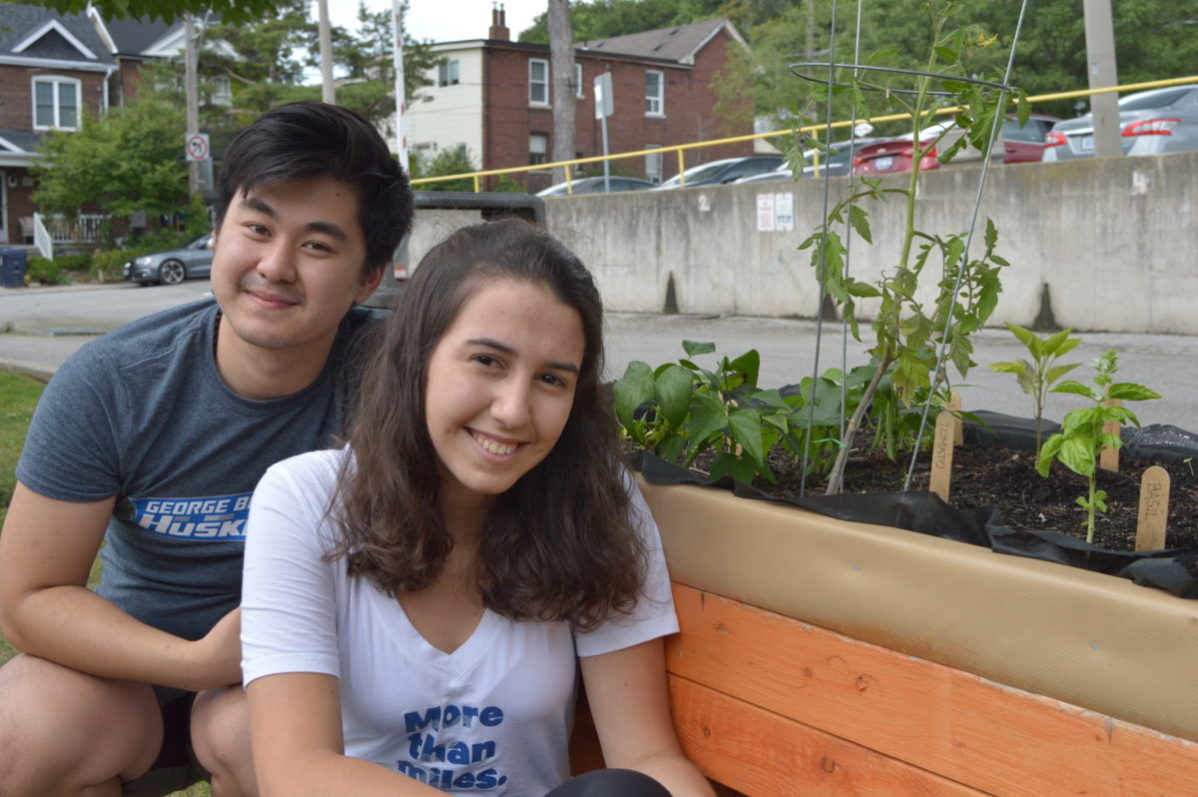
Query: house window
(538,148)
(653,164)
(655,92)
(538,81)
(222,92)
(56,103)
(448,73)
(578,81)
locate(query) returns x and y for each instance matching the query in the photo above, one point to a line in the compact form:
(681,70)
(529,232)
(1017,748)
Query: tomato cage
(919,332)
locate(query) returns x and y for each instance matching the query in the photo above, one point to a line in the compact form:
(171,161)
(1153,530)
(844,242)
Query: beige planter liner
(1096,641)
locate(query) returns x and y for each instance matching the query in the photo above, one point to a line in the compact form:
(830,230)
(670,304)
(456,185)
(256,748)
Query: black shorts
(176,767)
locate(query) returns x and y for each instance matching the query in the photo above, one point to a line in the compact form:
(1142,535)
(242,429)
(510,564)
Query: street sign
(605,102)
(197,147)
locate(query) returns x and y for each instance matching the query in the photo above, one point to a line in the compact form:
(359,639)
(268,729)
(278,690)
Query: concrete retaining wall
(1115,241)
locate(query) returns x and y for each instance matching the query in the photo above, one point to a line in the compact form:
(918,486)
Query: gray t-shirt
(142,414)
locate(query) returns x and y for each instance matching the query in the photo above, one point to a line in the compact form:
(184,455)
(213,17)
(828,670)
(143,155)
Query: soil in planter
(1008,479)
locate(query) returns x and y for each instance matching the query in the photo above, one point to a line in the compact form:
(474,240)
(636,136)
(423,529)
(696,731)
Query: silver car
(1152,122)
(173,266)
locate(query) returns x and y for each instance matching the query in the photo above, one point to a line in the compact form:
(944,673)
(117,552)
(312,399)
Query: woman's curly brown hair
(560,544)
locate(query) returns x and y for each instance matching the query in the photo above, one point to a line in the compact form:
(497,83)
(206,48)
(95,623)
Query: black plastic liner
(1158,443)
(1173,569)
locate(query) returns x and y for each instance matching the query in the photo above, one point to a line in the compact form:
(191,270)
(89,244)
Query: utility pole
(401,132)
(561,66)
(328,92)
(192,97)
(1100,62)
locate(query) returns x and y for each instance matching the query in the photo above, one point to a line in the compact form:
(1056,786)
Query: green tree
(127,161)
(233,11)
(604,19)
(365,66)
(1154,39)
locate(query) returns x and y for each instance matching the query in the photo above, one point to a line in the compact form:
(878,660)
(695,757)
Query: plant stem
(836,477)
(1090,509)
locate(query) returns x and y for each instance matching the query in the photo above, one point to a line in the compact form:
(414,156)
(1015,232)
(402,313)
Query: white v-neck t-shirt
(492,717)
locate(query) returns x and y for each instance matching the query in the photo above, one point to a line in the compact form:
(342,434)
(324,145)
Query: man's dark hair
(309,139)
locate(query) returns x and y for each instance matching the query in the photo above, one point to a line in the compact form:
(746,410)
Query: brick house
(493,97)
(53,68)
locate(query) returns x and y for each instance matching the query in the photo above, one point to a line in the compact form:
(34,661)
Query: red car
(894,155)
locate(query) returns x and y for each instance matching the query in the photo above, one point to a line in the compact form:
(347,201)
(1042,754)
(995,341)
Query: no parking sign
(197,147)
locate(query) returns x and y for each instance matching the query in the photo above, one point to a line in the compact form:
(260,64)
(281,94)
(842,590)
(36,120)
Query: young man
(152,439)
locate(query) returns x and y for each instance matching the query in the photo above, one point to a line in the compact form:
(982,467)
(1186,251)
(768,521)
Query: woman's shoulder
(310,473)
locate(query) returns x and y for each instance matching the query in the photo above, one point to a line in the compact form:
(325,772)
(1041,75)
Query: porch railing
(51,229)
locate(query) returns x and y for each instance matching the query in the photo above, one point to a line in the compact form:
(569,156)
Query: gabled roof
(679,43)
(35,36)
(138,36)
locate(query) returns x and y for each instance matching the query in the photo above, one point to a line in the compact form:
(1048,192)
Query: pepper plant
(1082,436)
(1039,373)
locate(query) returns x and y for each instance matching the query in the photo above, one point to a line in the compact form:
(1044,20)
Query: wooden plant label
(1154,509)
(954,406)
(1109,458)
(942,455)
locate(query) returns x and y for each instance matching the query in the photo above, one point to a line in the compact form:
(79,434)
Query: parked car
(835,162)
(1151,122)
(595,185)
(173,266)
(1018,144)
(724,171)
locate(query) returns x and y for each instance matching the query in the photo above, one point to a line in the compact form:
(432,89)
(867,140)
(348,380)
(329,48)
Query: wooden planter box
(821,656)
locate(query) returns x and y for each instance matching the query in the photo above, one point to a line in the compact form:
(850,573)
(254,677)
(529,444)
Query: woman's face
(501,385)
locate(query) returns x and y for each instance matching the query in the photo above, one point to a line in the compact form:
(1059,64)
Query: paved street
(47,325)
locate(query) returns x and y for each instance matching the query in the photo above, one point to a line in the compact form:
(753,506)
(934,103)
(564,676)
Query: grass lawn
(18,397)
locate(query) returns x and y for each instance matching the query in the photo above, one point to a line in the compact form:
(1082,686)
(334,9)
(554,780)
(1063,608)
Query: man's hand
(217,656)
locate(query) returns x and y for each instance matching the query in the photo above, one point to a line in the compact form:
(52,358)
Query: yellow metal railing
(809,130)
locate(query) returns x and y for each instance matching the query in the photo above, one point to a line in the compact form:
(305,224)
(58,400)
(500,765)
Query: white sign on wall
(784,212)
(765,213)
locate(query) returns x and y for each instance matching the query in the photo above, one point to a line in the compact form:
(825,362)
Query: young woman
(417,605)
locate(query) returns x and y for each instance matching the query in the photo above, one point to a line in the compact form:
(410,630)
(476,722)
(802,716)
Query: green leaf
(744,426)
(729,464)
(632,390)
(1054,342)
(693,348)
(859,220)
(1048,453)
(674,387)
(991,234)
(1129,391)
(1010,368)
(1027,338)
(672,447)
(1077,454)
(707,418)
(1076,388)
(1057,371)
(748,364)
(862,290)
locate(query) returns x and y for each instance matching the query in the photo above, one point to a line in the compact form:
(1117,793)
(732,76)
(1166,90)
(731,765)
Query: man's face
(288,264)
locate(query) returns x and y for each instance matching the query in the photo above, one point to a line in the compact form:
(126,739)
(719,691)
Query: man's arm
(46,552)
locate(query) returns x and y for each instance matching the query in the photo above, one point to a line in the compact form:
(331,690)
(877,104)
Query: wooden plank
(1109,458)
(954,406)
(1154,509)
(762,754)
(994,738)
(940,480)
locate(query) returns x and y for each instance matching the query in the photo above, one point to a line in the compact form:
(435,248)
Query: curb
(31,370)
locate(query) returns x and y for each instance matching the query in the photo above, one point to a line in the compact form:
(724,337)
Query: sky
(443,20)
